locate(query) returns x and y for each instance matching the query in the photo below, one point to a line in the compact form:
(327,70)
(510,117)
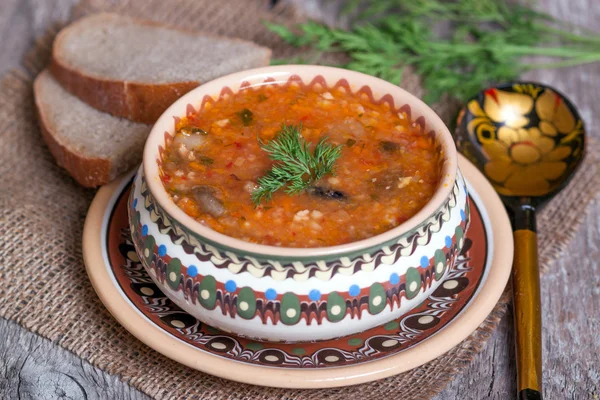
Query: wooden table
(34,368)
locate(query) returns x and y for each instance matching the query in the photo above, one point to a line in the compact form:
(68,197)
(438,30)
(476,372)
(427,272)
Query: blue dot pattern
(134,204)
(162,250)
(144,230)
(192,271)
(230,286)
(424,262)
(271,294)
(448,241)
(394,279)
(314,295)
(463,216)
(354,290)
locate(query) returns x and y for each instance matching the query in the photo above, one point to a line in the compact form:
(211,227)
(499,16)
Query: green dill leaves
(296,166)
(483,42)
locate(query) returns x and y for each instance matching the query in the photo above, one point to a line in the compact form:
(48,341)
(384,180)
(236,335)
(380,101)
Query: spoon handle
(527,306)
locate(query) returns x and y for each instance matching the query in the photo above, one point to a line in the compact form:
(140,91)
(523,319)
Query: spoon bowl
(528,139)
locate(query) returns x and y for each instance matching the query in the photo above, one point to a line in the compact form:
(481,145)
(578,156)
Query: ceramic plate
(446,318)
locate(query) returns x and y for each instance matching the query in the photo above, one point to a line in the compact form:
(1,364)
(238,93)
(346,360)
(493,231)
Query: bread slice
(136,69)
(94,147)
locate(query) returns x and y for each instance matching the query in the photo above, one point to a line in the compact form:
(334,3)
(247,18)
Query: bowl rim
(280,74)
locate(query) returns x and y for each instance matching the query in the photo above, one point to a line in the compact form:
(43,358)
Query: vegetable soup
(300,166)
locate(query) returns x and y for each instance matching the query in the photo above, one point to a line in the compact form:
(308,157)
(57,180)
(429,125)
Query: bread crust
(136,101)
(87,171)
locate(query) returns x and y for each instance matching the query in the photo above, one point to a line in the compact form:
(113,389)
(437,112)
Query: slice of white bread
(94,147)
(136,69)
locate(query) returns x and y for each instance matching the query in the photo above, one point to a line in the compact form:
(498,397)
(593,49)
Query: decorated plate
(447,317)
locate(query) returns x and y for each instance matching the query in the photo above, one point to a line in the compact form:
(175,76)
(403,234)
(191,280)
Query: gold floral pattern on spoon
(528,135)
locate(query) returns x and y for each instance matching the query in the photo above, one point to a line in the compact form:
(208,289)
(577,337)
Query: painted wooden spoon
(528,139)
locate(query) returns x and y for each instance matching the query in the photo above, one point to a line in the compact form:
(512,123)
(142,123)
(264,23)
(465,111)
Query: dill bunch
(296,167)
(458,47)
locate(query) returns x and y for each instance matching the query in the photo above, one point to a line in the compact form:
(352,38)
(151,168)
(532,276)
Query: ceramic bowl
(296,294)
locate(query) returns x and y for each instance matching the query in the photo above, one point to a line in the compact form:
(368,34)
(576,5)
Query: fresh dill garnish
(482,42)
(296,167)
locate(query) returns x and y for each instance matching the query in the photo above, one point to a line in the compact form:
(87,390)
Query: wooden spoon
(528,139)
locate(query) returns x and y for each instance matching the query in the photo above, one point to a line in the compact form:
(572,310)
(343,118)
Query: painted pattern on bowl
(273,296)
(428,318)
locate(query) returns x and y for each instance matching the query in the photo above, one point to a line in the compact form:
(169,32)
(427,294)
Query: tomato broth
(387,171)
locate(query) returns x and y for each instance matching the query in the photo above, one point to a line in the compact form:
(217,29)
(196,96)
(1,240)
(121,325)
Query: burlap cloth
(44,286)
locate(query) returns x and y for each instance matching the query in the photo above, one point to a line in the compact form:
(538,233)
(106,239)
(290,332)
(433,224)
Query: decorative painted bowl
(297,294)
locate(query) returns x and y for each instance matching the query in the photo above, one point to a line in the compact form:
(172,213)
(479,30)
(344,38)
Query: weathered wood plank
(21,21)
(571,305)
(34,368)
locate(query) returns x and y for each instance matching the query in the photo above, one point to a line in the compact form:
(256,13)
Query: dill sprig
(296,167)
(458,47)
